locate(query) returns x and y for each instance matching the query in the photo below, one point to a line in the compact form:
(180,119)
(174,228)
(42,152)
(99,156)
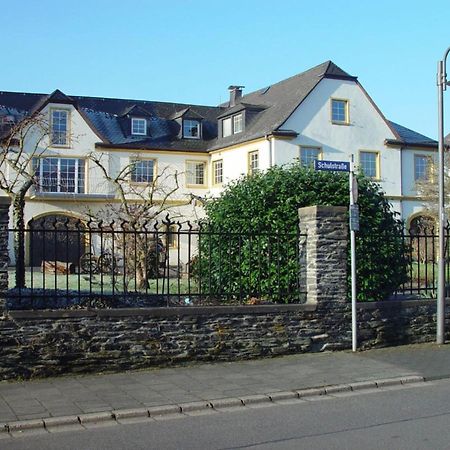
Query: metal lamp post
(440,316)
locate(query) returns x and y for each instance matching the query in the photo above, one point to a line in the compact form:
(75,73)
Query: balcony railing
(45,187)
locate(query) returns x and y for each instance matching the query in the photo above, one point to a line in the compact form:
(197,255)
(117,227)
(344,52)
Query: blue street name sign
(337,166)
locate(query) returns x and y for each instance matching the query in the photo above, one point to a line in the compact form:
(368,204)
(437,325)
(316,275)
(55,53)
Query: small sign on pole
(332,166)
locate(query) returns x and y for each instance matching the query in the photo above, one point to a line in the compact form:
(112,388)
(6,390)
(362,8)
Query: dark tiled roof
(266,111)
(280,100)
(410,137)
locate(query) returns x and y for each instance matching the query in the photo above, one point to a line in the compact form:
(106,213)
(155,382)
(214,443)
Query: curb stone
(194,406)
(412,379)
(283,395)
(253,399)
(363,385)
(310,392)
(21,425)
(61,420)
(95,417)
(129,413)
(388,382)
(223,403)
(337,388)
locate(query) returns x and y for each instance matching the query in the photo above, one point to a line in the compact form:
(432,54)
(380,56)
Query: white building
(322,113)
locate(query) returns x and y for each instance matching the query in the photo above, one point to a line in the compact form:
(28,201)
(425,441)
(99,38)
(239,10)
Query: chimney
(235,94)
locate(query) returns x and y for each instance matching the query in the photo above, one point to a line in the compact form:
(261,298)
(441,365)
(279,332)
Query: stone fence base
(46,343)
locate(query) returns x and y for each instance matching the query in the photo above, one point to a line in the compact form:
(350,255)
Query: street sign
(354,218)
(335,166)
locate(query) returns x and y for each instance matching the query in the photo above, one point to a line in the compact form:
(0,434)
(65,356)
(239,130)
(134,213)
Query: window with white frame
(143,171)
(227,127)
(253,162)
(339,111)
(191,129)
(422,166)
(195,174)
(308,155)
(138,126)
(369,164)
(237,123)
(218,172)
(59,127)
(65,175)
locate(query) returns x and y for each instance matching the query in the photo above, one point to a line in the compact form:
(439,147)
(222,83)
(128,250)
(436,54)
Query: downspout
(269,140)
(401,183)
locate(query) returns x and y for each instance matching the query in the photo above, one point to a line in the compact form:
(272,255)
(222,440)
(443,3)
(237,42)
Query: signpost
(343,166)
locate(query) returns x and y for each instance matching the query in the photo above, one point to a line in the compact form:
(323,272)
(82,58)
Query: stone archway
(56,237)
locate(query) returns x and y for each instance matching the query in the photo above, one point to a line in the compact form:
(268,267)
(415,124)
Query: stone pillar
(324,254)
(4,256)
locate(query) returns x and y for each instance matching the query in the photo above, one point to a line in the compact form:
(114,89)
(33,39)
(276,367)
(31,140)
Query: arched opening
(423,238)
(56,237)
(422,224)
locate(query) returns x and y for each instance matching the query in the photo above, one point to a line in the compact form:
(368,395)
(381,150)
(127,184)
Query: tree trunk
(18,202)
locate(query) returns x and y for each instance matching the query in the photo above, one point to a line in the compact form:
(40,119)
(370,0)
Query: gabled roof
(280,100)
(188,113)
(56,96)
(409,137)
(135,110)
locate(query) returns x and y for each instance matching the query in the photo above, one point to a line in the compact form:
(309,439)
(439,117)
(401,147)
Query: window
(139,127)
(232,125)
(369,164)
(191,129)
(339,111)
(59,175)
(237,123)
(422,166)
(143,171)
(195,173)
(218,172)
(59,127)
(308,155)
(253,162)
(226,127)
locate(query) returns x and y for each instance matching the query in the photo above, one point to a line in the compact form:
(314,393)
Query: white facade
(365,131)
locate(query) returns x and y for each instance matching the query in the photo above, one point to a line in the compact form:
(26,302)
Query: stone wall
(44,343)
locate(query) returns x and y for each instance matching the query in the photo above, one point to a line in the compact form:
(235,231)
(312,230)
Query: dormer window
(232,125)
(138,127)
(191,129)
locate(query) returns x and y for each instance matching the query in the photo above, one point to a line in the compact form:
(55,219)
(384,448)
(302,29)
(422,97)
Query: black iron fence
(70,263)
(421,250)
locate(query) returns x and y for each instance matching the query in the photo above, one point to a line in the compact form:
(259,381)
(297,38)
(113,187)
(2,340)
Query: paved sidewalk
(74,395)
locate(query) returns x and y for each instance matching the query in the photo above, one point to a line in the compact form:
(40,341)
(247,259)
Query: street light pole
(440,315)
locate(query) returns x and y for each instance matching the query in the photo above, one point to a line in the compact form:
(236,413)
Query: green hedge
(265,203)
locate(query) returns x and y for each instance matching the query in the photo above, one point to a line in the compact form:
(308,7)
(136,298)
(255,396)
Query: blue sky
(191,51)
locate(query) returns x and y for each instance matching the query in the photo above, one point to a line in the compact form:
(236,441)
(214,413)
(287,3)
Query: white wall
(366,130)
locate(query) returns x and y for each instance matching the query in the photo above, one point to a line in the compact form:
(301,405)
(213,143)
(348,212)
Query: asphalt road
(408,417)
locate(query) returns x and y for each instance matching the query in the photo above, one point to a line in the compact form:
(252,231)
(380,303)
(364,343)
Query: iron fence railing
(421,252)
(73,263)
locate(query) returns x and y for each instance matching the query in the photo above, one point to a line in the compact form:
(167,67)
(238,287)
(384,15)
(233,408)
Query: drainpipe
(401,183)
(269,140)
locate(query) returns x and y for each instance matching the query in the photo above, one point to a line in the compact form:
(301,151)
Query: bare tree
(23,141)
(428,187)
(139,208)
